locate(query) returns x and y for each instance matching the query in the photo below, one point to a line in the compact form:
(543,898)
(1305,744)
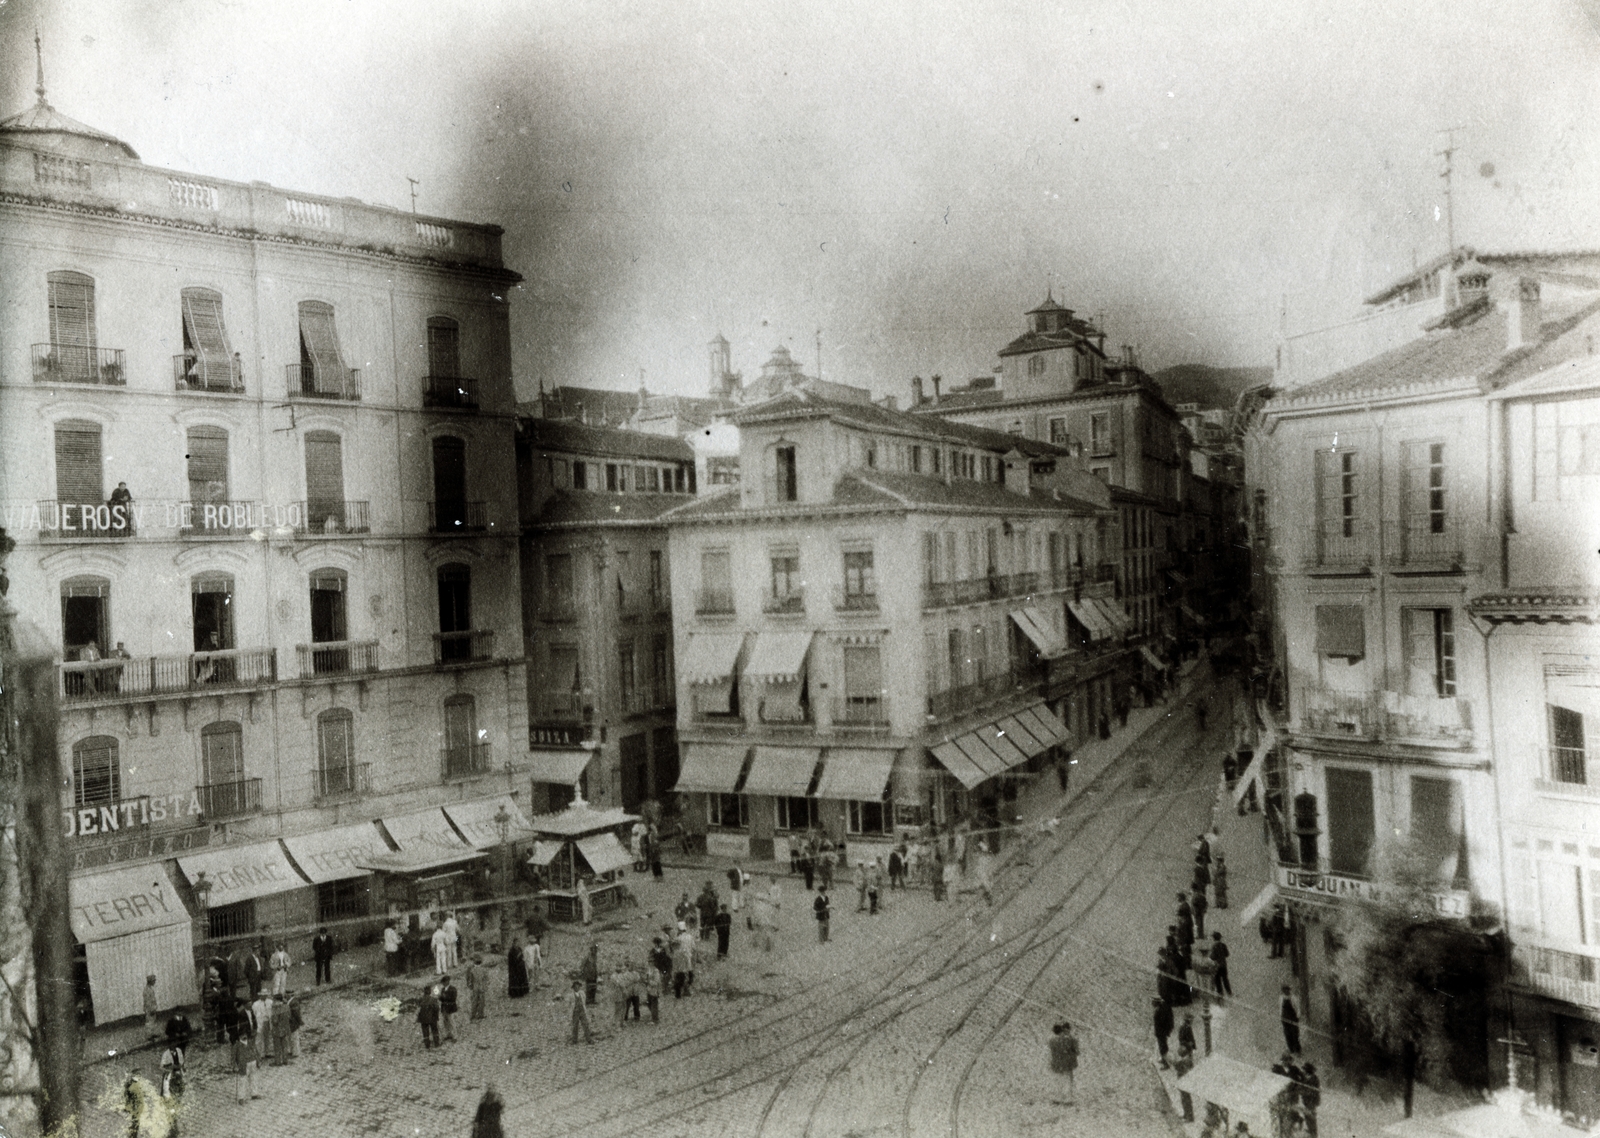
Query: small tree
(1417,981)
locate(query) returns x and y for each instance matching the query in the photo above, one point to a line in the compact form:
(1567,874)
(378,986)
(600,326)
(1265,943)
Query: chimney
(1522,314)
(1472,282)
(916,391)
(935,391)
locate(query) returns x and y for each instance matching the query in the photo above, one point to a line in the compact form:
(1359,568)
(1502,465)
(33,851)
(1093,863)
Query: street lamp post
(502,825)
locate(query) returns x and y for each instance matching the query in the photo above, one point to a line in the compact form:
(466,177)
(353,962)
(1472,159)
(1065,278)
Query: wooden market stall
(1237,1092)
(581,843)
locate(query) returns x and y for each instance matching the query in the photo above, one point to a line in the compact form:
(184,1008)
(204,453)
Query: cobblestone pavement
(927,1018)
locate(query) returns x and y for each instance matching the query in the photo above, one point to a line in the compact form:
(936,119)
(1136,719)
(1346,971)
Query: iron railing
(793,601)
(450,391)
(230,799)
(68,363)
(863,713)
(333,515)
(457,517)
(347,780)
(311,382)
(708,602)
(82,681)
(193,372)
(463,647)
(967,697)
(220,519)
(844,601)
(464,761)
(1330,545)
(76,521)
(337,657)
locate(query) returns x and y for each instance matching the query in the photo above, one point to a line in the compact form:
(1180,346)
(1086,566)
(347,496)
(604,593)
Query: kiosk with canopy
(580,842)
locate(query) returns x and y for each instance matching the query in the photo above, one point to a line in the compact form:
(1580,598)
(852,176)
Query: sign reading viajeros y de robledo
(119,517)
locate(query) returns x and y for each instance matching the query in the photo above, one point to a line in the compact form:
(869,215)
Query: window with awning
(1341,631)
(208,361)
(1037,627)
(1091,619)
(855,773)
(954,760)
(783,772)
(1113,616)
(321,367)
(777,662)
(710,768)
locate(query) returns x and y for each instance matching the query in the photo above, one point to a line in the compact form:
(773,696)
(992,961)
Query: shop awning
(1025,733)
(710,768)
(420,859)
(1010,752)
(1118,621)
(1267,895)
(778,657)
(855,773)
(1189,612)
(331,855)
(954,760)
(123,901)
(564,767)
(783,772)
(604,853)
(117,968)
(1246,1092)
(710,657)
(1151,658)
(477,821)
(1252,773)
(1044,722)
(1038,628)
(424,829)
(544,852)
(1091,619)
(239,873)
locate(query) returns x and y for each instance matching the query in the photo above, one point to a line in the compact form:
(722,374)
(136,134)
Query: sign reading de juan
(129,814)
(1327,887)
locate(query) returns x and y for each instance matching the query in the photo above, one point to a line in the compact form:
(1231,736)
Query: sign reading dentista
(1333,887)
(119,517)
(130,814)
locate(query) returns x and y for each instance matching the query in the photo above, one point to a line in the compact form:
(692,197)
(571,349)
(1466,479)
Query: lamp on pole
(502,825)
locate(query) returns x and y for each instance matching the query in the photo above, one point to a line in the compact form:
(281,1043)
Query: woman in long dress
(517,973)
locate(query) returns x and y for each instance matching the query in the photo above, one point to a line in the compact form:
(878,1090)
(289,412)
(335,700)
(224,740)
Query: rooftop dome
(44,126)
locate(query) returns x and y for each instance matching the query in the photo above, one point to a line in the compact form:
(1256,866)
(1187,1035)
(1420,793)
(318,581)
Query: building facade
(256,451)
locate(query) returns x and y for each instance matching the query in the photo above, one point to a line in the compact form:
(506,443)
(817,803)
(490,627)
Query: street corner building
(1423,525)
(257,454)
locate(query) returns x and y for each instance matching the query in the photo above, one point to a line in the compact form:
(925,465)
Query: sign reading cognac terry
(240,873)
(123,901)
(1333,887)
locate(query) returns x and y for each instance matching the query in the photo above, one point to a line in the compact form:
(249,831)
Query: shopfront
(131,924)
(250,891)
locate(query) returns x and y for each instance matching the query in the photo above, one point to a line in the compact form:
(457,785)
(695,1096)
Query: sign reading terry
(124,901)
(240,873)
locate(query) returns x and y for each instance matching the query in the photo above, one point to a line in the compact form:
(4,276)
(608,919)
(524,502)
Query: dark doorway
(635,771)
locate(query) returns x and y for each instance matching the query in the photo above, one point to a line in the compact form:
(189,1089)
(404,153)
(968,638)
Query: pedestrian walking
(322,954)
(1185,920)
(391,949)
(585,904)
(440,942)
(1219,957)
(244,1061)
(1161,1021)
(1064,1057)
(825,865)
(874,884)
(253,972)
(706,906)
(1181,1066)
(1219,881)
(282,1031)
(1199,906)
(617,985)
(724,925)
(655,854)
(1291,1021)
(516,972)
(808,868)
(661,961)
(635,978)
(897,868)
(1310,1097)
(486,1122)
(428,1017)
(861,886)
(652,992)
(589,973)
(151,1005)
(477,988)
(448,1002)
(682,961)
(820,906)
(452,932)
(1062,770)
(1186,1033)
(280,970)
(735,886)
(533,959)
(1202,876)
(1202,850)
(580,1014)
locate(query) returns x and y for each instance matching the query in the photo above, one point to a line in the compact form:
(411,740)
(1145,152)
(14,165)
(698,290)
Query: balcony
(844,601)
(306,381)
(467,761)
(230,799)
(713,602)
(84,682)
(861,713)
(458,517)
(77,521)
(463,647)
(792,602)
(563,706)
(332,516)
(66,363)
(352,780)
(943,594)
(450,391)
(337,658)
(1331,547)
(192,372)
(968,697)
(1338,714)
(1416,546)
(219,519)
(1417,721)
(1569,976)
(1022,584)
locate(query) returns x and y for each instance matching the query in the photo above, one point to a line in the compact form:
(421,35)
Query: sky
(904,179)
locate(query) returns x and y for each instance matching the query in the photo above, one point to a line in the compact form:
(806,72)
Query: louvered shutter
(96,772)
(324,478)
(79,479)
(207,337)
(208,465)
(460,722)
(222,753)
(863,676)
(1330,516)
(319,347)
(444,348)
(72,339)
(1415,490)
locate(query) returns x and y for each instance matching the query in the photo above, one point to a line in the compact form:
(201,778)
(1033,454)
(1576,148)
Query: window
(958,659)
(325,509)
(726,811)
(716,581)
(785,574)
(335,752)
(207,362)
(859,581)
(786,486)
(872,453)
(455,613)
(208,466)
(222,765)
(444,348)
(1058,432)
(1424,492)
(1568,744)
(322,371)
(225,922)
(328,588)
(1100,433)
(660,672)
(449,483)
(580,475)
(85,617)
(916,460)
(988,468)
(652,476)
(641,477)
(1035,365)
(868,818)
(793,813)
(863,676)
(938,460)
(558,582)
(658,588)
(72,332)
(1430,652)
(1566,451)
(1350,824)
(624,578)
(96,773)
(461,748)
(1341,631)
(612,484)
(980,654)
(342,900)
(80,480)
(932,571)
(1437,830)
(211,604)
(627,677)
(1340,493)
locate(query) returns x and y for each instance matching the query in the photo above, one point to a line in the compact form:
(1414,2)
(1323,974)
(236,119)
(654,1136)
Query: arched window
(227,792)
(1035,365)
(325,504)
(336,752)
(211,602)
(450,484)
(96,772)
(464,754)
(328,610)
(85,616)
(207,363)
(455,613)
(72,356)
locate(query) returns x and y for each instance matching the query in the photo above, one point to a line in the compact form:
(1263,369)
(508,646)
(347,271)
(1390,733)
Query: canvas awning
(954,760)
(239,873)
(778,657)
(119,902)
(1118,621)
(1024,733)
(1010,752)
(1151,658)
(1044,722)
(1039,629)
(544,852)
(855,773)
(710,657)
(1246,1092)
(604,853)
(783,772)
(1091,619)
(477,821)
(424,829)
(710,768)
(118,967)
(419,859)
(331,855)
(564,767)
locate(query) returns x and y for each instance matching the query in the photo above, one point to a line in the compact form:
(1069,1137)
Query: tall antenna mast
(1448,154)
(38,54)
(414,185)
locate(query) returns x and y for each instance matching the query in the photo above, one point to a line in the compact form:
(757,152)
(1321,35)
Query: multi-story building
(871,623)
(1416,517)
(256,451)
(597,610)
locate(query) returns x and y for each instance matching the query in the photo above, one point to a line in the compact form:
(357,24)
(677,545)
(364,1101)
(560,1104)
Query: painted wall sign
(130,814)
(1326,887)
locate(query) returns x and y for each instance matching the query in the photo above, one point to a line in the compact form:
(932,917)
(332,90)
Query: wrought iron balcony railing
(68,363)
(713,602)
(337,658)
(861,713)
(845,601)
(118,678)
(220,519)
(230,799)
(463,647)
(464,761)
(458,517)
(78,521)
(348,780)
(792,601)
(333,515)
(450,391)
(310,382)
(193,372)
(969,697)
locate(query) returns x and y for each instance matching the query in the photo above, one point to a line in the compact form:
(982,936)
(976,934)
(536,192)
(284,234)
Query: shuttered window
(208,359)
(96,773)
(1424,489)
(72,319)
(335,740)
(863,675)
(716,571)
(222,753)
(208,465)
(79,476)
(321,367)
(1350,819)
(460,722)
(444,348)
(564,672)
(1437,824)
(324,476)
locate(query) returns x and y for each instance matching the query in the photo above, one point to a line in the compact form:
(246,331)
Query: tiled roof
(925,490)
(956,400)
(579,507)
(870,415)
(566,435)
(724,503)
(1032,341)
(42,118)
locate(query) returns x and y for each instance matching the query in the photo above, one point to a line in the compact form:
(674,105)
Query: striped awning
(1041,630)
(1118,621)
(710,768)
(954,760)
(783,772)
(778,657)
(855,773)
(710,657)
(1091,618)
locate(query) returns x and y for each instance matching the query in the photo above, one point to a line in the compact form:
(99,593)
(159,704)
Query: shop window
(727,811)
(867,818)
(794,813)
